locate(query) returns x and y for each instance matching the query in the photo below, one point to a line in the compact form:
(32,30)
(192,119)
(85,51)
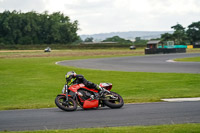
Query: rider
(73,78)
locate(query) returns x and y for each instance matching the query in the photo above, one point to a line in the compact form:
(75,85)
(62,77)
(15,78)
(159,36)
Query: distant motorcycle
(48,49)
(87,98)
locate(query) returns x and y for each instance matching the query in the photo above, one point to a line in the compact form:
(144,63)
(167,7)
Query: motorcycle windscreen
(91,104)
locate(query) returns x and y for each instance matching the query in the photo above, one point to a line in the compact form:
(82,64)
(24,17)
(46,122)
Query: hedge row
(54,46)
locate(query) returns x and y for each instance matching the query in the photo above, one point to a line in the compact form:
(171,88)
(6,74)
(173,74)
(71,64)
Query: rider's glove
(101,90)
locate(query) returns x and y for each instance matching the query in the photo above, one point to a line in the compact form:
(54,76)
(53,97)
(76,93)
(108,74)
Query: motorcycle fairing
(107,86)
(75,88)
(91,104)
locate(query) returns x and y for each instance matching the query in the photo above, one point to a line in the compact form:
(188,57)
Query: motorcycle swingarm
(109,99)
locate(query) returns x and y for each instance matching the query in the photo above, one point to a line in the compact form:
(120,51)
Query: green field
(178,128)
(31,79)
(190,59)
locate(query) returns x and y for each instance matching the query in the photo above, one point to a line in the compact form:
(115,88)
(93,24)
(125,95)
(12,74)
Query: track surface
(130,114)
(148,63)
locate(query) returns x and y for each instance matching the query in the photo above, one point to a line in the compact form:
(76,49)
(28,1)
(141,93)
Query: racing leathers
(78,79)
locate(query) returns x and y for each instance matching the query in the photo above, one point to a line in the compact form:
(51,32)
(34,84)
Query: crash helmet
(70,75)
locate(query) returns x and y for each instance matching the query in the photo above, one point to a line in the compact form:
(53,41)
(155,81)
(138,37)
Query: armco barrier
(164,50)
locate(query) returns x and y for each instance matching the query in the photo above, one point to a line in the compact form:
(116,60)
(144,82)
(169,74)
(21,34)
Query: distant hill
(127,35)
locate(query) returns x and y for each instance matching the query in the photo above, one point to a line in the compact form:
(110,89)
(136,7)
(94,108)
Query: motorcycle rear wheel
(60,102)
(114,103)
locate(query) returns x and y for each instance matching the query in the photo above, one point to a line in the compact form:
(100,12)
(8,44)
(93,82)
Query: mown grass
(193,50)
(177,128)
(189,59)
(59,53)
(34,82)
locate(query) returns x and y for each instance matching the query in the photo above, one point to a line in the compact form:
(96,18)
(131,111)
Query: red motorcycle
(87,98)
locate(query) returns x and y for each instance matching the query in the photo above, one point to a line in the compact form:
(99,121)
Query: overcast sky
(102,16)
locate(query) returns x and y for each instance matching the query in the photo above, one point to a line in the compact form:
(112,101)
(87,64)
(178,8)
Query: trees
(167,37)
(117,39)
(193,32)
(179,34)
(140,42)
(34,28)
(89,39)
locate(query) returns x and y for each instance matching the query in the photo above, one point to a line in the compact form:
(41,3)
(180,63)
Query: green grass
(84,52)
(178,128)
(34,82)
(193,50)
(189,59)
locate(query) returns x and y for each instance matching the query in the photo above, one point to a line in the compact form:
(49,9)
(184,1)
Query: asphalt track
(128,115)
(149,63)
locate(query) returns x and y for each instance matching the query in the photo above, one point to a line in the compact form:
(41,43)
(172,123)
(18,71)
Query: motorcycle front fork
(66,92)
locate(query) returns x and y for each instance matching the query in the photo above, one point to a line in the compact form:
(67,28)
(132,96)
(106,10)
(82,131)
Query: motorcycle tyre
(64,107)
(113,105)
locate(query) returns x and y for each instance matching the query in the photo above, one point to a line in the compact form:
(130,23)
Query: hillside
(127,35)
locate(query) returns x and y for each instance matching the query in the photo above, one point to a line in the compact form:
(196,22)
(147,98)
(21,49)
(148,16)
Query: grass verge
(189,59)
(177,128)
(34,82)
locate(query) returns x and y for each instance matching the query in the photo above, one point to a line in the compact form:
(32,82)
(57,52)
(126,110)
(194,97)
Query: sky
(104,16)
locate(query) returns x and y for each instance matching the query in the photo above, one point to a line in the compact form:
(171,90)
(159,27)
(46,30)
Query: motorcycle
(87,98)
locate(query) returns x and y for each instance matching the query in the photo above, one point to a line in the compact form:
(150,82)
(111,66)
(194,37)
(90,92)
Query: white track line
(181,99)
(170,61)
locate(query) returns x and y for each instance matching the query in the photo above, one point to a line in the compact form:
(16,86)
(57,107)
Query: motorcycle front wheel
(61,103)
(113,100)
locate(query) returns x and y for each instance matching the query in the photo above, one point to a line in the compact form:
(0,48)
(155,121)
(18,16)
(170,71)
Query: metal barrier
(164,50)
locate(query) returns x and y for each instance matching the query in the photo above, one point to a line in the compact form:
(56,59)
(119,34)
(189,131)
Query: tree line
(37,28)
(56,28)
(182,35)
(111,39)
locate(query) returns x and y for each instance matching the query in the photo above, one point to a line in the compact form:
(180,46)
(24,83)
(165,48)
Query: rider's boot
(92,97)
